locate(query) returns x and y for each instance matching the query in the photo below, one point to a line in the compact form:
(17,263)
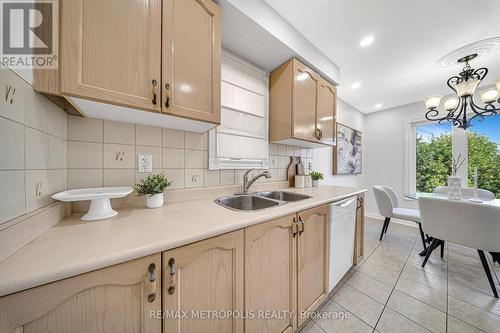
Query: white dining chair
(474,225)
(468,193)
(388,207)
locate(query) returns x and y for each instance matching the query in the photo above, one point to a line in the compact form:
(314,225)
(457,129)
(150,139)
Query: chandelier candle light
(464,85)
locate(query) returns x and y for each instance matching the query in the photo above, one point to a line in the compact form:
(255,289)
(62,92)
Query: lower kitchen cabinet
(117,299)
(259,279)
(286,270)
(312,260)
(270,283)
(203,285)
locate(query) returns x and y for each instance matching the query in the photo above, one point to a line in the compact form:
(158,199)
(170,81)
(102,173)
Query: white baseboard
(397,221)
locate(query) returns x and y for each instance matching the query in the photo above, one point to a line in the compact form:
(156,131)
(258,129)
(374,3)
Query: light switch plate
(144,163)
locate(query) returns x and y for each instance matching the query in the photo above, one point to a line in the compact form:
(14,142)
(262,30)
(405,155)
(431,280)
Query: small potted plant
(316,176)
(152,187)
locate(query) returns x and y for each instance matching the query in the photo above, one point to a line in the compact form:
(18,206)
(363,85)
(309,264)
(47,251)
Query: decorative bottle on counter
(292,168)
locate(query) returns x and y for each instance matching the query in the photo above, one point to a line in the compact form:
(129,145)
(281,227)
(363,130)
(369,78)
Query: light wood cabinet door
(305,86)
(312,260)
(111,51)
(327,111)
(191,59)
(201,279)
(270,271)
(115,299)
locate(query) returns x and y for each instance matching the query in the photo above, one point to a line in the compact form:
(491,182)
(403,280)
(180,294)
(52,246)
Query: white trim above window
(242,139)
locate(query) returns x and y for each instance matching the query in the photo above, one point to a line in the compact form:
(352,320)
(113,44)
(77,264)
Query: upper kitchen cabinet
(111,51)
(121,57)
(302,106)
(326,111)
(192,59)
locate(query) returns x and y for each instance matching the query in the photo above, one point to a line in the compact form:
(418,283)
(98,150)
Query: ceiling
(400,66)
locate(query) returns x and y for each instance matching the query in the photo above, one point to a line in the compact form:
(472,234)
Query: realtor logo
(29,34)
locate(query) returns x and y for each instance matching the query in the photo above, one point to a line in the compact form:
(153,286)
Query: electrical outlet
(144,163)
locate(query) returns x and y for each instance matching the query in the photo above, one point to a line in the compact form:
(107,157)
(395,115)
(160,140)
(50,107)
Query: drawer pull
(167,100)
(295,227)
(171,265)
(303,226)
(151,283)
(155,84)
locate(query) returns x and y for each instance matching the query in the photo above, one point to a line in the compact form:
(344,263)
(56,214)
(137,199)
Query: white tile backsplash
(119,177)
(37,189)
(37,149)
(12,194)
(193,159)
(57,153)
(37,113)
(176,176)
(118,132)
(148,136)
(84,155)
(33,134)
(119,156)
(211,178)
(183,157)
(193,178)
(12,145)
(173,158)
(85,129)
(173,138)
(83,178)
(13,105)
(193,140)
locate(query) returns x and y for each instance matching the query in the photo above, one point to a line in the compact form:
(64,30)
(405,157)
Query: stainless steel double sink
(259,200)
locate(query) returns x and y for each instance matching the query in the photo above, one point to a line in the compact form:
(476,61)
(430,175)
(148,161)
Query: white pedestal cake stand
(100,203)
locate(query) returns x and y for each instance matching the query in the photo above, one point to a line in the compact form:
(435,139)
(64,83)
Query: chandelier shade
(461,109)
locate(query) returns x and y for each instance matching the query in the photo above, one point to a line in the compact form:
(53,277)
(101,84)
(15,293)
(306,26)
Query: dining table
(482,201)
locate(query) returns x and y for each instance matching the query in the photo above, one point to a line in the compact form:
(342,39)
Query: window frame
(218,163)
(459,145)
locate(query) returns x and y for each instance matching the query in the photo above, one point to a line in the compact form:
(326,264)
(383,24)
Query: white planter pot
(155,200)
(315,183)
(299,181)
(454,187)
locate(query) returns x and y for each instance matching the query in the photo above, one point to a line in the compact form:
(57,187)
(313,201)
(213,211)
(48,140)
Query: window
(241,140)
(483,142)
(430,145)
(433,156)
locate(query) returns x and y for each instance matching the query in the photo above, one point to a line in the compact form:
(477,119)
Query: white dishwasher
(341,225)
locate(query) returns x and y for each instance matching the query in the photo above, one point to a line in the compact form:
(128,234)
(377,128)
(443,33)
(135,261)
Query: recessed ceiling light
(366,41)
(377,106)
(356,85)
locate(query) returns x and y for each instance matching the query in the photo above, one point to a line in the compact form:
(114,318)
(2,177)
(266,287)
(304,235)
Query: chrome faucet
(247,183)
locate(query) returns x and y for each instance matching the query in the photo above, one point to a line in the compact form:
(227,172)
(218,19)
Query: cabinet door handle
(167,100)
(295,227)
(171,265)
(318,134)
(155,84)
(303,226)
(151,283)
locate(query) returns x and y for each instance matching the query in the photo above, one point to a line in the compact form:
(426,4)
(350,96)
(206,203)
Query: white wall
(323,157)
(384,150)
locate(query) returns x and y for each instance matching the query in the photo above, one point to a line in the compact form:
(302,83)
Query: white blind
(241,140)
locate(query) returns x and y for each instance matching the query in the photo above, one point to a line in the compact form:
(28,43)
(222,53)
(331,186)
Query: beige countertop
(74,247)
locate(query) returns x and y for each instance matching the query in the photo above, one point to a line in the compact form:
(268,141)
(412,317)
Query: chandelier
(458,108)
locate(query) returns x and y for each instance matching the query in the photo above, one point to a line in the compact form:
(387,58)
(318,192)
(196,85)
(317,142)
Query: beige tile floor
(390,292)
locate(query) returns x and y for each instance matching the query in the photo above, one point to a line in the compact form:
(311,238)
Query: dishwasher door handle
(344,204)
